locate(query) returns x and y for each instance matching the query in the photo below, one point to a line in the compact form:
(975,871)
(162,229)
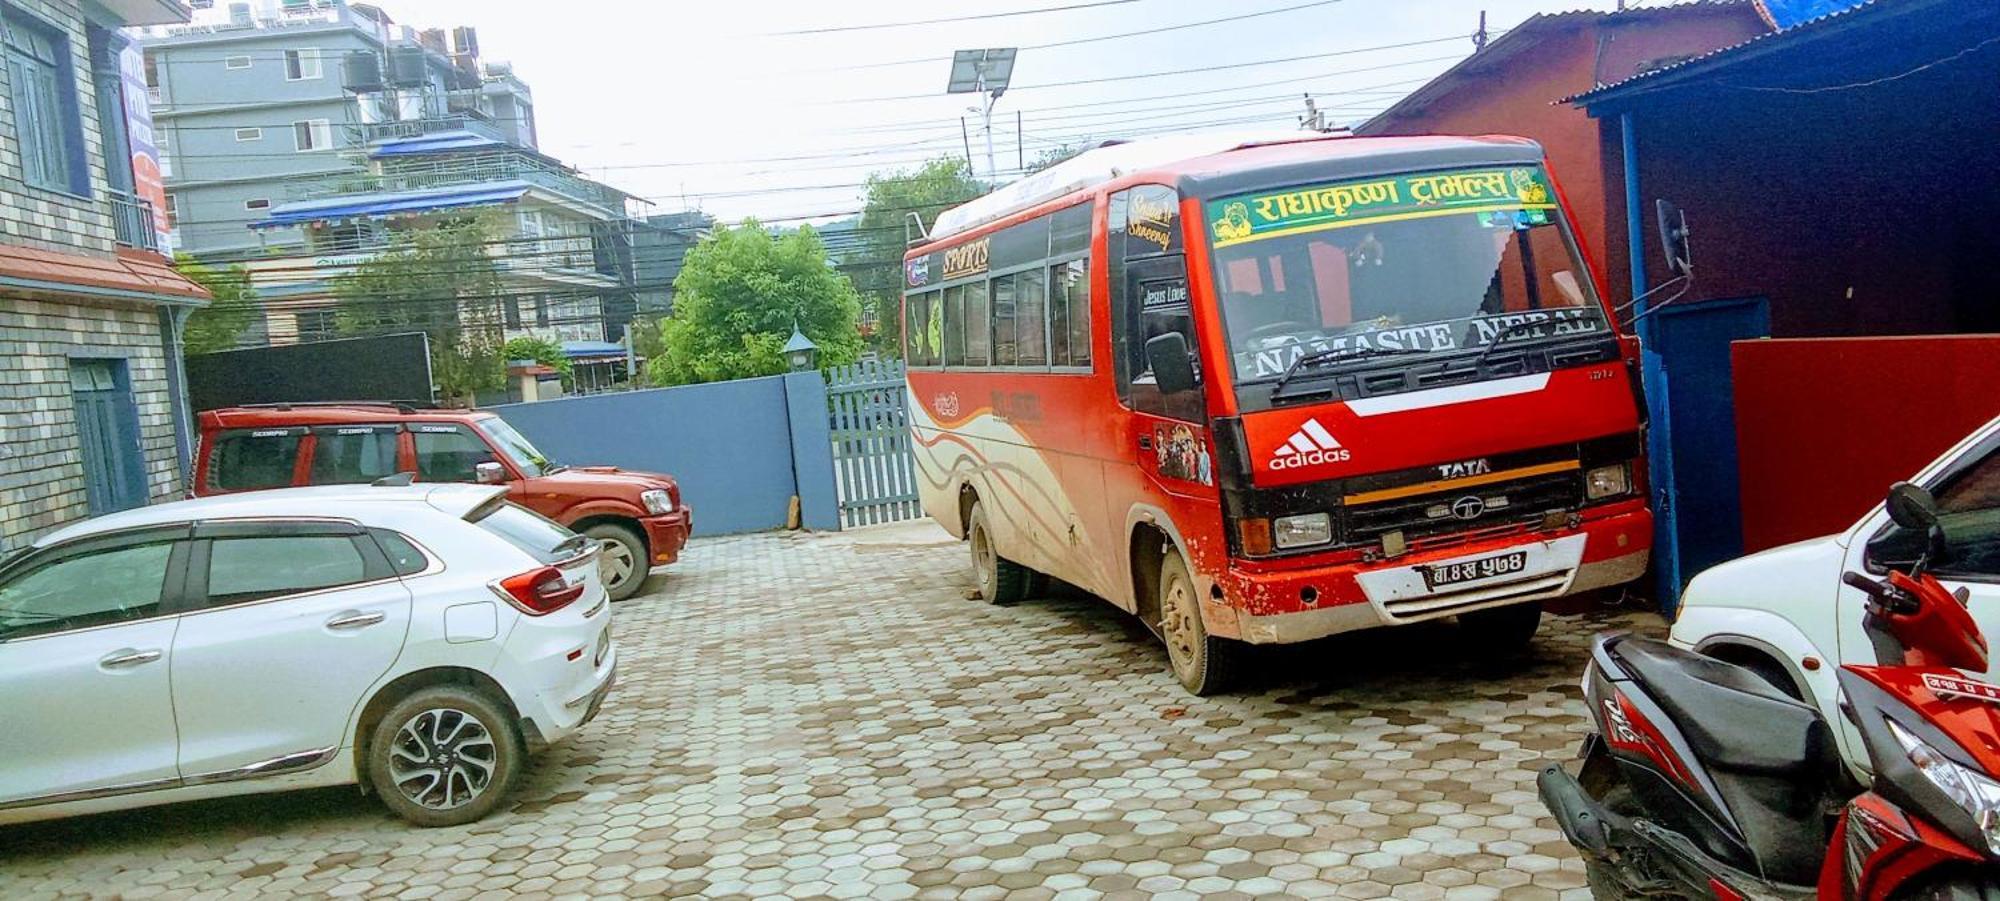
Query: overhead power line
(833,29)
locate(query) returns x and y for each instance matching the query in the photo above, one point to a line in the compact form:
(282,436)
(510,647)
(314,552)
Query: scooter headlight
(1979,795)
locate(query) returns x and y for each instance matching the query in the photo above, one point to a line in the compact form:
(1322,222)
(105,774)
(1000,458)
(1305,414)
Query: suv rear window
(532,532)
(251,459)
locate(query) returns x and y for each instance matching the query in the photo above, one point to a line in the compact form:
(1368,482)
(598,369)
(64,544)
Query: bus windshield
(1419,265)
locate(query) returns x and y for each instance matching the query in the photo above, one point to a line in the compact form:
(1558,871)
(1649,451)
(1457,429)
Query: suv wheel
(622,561)
(444,756)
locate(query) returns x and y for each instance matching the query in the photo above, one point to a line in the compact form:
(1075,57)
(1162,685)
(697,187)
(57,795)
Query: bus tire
(999,580)
(1204,664)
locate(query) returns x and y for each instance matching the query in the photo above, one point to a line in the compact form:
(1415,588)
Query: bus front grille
(1444,513)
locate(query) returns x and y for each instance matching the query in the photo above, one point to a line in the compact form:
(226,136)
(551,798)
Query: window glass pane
(1030,324)
(1003,321)
(978,335)
(539,536)
(954,327)
(1074,277)
(87,590)
(250,459)
(404,557)
(249,569)
(916,330)
(448,453)
(1058,316)
(353,454)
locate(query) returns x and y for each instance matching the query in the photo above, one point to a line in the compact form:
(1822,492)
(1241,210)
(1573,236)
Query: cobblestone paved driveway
(828,715)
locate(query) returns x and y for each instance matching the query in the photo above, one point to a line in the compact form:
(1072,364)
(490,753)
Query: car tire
(622,559)
(457,732)
(999,580)
(1501,630)
(1204,664)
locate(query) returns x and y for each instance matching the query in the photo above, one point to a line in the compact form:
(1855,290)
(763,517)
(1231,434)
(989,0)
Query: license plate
(1444,574)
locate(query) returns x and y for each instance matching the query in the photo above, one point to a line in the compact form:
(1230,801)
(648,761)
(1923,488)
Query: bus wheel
(1000,580)
(1203,663)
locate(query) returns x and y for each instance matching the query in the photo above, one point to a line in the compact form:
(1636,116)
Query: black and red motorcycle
(1705,781)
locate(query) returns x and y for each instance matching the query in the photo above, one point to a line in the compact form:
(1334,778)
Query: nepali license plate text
(1444,574)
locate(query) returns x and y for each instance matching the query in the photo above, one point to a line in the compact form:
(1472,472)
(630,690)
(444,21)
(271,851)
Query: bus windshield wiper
(1335,355)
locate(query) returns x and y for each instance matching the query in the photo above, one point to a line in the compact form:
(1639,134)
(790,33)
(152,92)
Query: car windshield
(517,447)
(1433,262)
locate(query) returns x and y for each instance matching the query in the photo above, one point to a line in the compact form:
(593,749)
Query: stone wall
(41,471)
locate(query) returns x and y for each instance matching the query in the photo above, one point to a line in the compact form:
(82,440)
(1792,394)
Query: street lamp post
(799,351)
(985,72)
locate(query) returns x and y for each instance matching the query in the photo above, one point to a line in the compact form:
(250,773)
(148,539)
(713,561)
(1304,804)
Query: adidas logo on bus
(1312,444)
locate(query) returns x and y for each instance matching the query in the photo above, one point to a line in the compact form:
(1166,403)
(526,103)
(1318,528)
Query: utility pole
(1479,37)
(1020,145)
(967,137)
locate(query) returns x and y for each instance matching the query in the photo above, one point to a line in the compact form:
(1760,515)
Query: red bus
(1267,391)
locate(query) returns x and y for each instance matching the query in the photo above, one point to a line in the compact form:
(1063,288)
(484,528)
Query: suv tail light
(539,591)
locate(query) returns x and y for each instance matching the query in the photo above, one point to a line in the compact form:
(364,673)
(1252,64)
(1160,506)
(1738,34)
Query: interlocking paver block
(828,715)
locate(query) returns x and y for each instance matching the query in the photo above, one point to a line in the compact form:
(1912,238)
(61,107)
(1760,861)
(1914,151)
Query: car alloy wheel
(442,759)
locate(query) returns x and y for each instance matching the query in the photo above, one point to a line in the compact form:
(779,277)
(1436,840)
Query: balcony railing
(132,221)
(371,132)
(459,170)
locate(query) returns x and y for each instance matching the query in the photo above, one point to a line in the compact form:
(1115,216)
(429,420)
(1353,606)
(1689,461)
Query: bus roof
(1219,164)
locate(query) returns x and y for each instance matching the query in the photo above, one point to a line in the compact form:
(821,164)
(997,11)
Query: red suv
(637,516)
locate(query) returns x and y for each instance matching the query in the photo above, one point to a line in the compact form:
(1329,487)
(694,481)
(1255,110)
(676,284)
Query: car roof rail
(400,406)
(396,480)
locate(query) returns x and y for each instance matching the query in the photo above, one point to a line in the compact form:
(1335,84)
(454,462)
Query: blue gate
(876,479)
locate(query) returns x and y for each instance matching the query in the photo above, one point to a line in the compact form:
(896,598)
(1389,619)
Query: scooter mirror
(1911,507)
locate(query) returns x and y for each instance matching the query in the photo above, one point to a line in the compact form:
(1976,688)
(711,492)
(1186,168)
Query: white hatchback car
(1786,613)
(417,640)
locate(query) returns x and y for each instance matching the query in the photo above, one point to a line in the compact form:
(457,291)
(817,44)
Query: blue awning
(440,142)
(366,206)
(579,349)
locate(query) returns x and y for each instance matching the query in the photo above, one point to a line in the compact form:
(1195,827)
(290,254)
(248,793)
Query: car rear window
(352,454)
(532,532)
(251,459)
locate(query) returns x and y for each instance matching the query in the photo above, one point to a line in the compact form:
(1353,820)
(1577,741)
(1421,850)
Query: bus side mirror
(1674,237)
(1173,368)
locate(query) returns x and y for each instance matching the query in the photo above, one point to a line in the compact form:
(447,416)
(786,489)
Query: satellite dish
(1783,14)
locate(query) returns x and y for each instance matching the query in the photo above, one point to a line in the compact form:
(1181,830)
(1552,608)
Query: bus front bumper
(1271,607)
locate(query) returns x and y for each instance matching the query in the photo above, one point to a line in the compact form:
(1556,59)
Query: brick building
(91,411)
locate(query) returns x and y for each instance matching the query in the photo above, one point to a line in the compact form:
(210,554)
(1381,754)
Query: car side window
(449,453)
(1969,508)
(250,459)
(241,570)
(84,590)
(351,454)
(404,557)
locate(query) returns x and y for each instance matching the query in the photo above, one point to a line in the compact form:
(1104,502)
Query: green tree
(541,350)
(440,280)
(878,271)
(737,297)
(231,309)
(1057,154)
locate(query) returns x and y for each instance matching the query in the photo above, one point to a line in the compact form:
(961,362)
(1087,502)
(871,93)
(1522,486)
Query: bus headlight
(1607,481)
(1303,530)
(1971,790)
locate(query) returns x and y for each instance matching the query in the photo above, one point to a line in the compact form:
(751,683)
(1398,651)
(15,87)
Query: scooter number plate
(1445,574)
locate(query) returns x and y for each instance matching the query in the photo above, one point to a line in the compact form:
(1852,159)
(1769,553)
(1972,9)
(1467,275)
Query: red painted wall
(1563,55)
(1825,425)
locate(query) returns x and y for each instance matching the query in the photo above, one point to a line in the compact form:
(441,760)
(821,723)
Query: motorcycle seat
(1730,716)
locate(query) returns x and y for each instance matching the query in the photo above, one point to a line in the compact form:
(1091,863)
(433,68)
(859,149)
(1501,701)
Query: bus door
(1150,298)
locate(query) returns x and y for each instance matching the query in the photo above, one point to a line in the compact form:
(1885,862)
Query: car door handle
(355,619)
(128,657)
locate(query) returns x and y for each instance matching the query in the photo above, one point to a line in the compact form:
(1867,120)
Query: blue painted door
(1696,502)
(107,425)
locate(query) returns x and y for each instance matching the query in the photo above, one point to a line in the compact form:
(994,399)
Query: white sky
(665,97)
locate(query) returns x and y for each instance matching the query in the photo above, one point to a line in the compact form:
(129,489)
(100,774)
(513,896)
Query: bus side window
(1150,297)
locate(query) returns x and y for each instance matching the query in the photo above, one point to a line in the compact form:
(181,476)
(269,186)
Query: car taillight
(539,591)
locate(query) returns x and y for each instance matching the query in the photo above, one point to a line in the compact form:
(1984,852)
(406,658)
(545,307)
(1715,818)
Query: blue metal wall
(740,449)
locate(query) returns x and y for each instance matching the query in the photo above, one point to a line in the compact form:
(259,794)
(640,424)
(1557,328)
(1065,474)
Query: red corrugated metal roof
(130,270)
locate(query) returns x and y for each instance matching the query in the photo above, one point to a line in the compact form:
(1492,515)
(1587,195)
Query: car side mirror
(489,473)
(1913,509)
(1173,367)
